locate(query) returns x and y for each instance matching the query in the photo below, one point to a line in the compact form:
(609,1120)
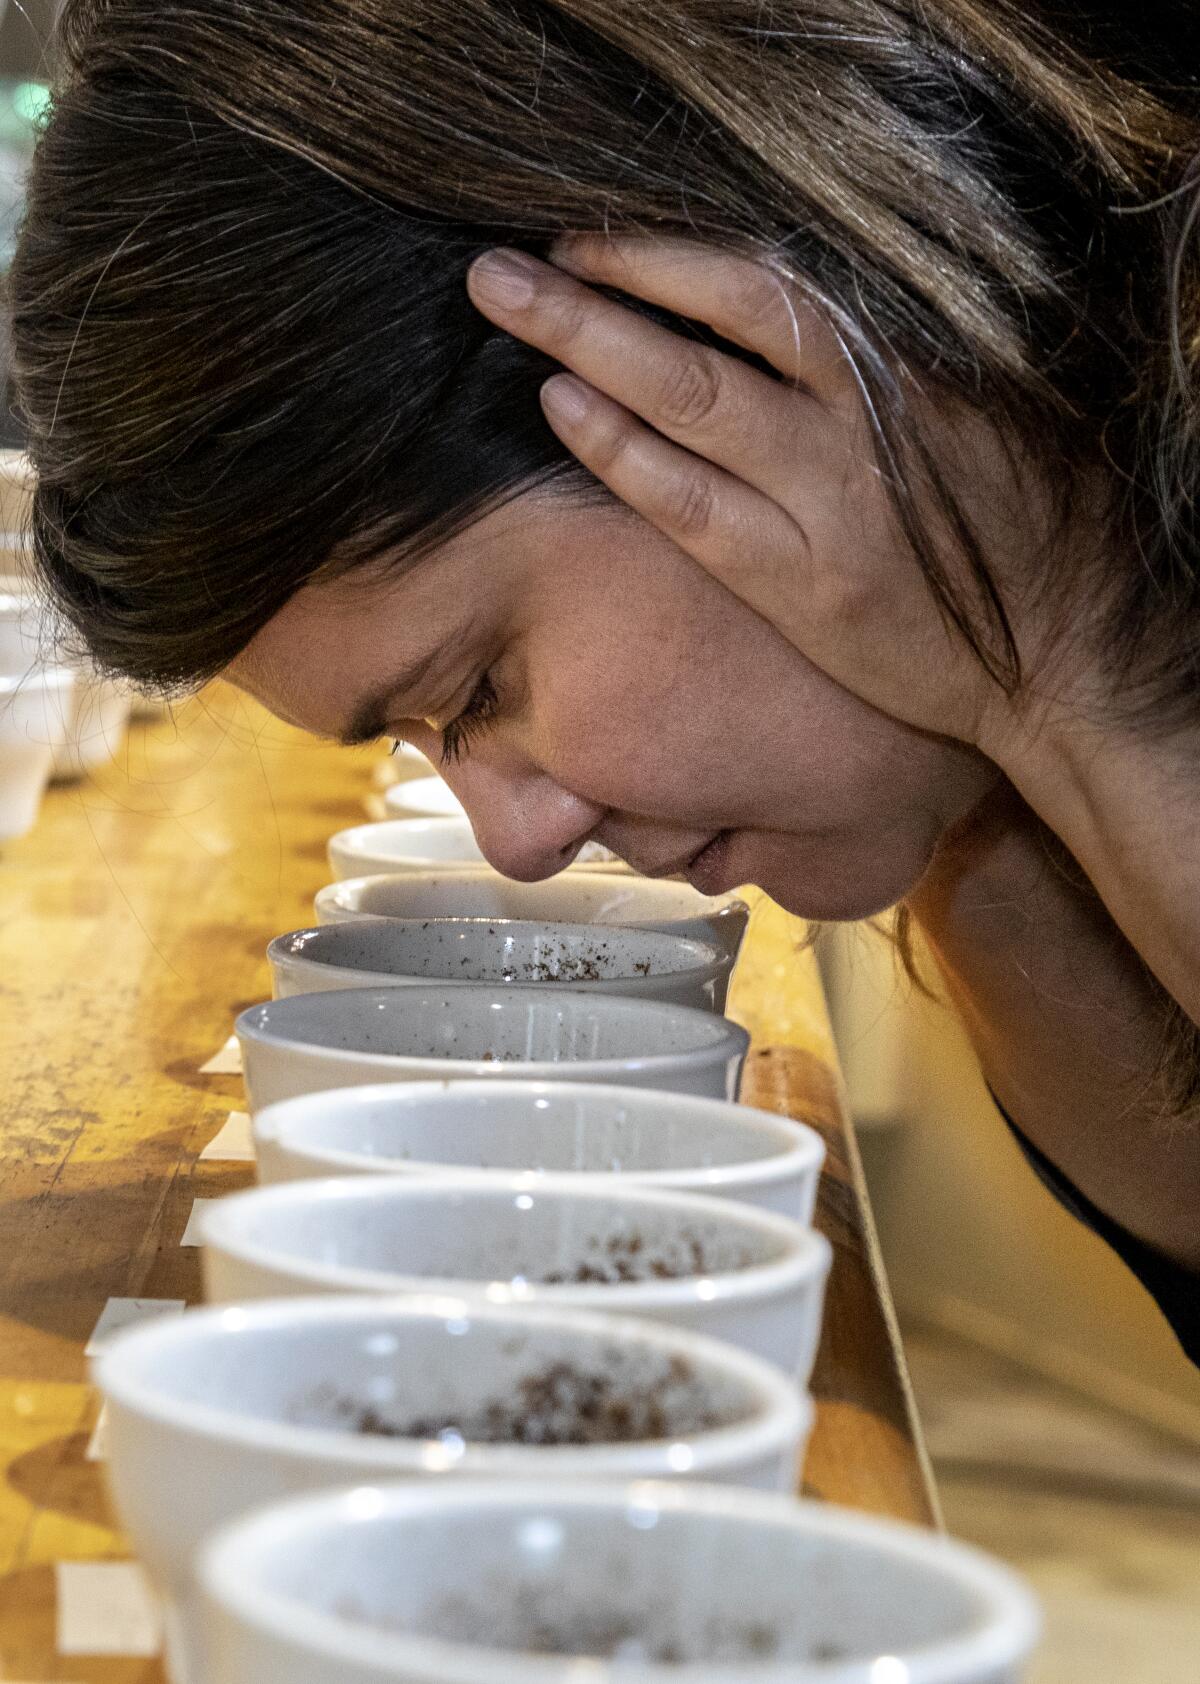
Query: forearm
(1069,1027)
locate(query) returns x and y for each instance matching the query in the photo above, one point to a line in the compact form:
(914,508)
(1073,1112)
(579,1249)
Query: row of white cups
(503,1378)
(59,717)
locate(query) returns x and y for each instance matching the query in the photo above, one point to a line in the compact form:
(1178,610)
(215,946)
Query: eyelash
(479,712)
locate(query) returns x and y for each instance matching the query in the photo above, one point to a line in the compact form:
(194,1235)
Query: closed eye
(479,712)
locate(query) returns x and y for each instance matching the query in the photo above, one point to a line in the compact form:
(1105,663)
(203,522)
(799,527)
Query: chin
(828,883)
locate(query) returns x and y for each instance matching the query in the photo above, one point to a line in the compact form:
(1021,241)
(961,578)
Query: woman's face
(637,702)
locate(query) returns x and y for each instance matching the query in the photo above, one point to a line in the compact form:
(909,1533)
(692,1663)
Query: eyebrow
(370,717)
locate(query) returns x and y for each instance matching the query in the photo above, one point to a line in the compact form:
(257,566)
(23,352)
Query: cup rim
(334,895)
(806,1254)
(695,974)
(351,843)
(724,1039)
(779,1412)
(432,778)
(802,1149)
(1010,1621)
(422,821)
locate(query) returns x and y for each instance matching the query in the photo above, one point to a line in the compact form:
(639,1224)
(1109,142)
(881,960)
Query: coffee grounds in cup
(507,1615)
(559,1405)
(623,1259)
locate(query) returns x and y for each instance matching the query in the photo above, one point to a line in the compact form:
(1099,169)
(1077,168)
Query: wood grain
(133,925)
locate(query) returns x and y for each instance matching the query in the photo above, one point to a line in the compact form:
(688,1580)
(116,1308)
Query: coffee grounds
(564,969)
(533,1623)
(626,1258)
(562,1405)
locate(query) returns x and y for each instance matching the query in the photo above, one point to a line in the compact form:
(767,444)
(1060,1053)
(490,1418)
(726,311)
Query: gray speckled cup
(394,952)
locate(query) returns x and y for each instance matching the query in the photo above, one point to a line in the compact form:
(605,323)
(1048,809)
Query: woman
(857,557)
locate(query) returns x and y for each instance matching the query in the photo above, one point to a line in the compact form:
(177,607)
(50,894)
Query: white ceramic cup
(392,845)
(219,1411)
(33,707)
(399,765)
(593,897)
(91,721)
(712,1266)
(21,640)
(422,798)
(573,897)
(395,952)
(463,1582)
(356,1035)
(615,1136)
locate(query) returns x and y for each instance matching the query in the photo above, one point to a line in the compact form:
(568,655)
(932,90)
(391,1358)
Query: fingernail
(504,277)
(566,399)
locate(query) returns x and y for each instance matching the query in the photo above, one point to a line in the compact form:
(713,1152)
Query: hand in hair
(774,486)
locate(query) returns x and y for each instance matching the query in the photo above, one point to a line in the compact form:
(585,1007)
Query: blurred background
(25,30)
(1063,1422)
(1062,1419)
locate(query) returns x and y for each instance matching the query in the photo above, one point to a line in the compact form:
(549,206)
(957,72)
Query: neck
(1127,805)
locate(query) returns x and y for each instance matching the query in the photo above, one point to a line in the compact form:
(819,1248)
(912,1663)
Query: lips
(678,867)
(709,869)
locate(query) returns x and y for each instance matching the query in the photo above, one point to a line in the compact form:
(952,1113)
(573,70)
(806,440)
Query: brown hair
(244,346)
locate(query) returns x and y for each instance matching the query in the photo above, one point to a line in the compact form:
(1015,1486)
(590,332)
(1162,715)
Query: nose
(527,825)
(532,831)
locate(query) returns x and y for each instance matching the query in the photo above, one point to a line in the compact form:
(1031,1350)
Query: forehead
(335,635)
(323,624)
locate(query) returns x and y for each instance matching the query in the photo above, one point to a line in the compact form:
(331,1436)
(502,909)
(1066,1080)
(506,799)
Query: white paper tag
(120,1313)
(191,1234)
(226,1061)
(97,1445)
(105,1608)
(234,1141)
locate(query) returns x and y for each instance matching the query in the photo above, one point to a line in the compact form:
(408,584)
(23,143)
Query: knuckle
(691,390)
(692,505)
(845,598)
(608,445)
(569,314)
(584,250)
(754,298)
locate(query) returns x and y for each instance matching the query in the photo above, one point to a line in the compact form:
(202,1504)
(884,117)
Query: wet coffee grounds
(626,1258)
(564,969)
(561,1404)
(523,1618)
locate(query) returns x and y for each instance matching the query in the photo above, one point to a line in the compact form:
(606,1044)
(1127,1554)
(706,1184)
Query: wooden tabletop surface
(132,927)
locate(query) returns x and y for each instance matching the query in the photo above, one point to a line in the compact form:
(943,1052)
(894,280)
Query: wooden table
(132,928)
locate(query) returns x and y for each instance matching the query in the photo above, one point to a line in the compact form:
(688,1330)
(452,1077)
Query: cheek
(695,711)
(629,718)
(846,762)
(625,748)
(696,737)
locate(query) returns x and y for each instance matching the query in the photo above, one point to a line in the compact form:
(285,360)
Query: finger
(721,409)
(743,539)
(740,297)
